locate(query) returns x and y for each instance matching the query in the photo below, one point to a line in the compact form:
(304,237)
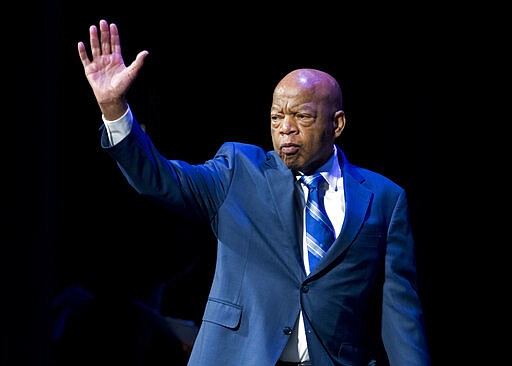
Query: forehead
(286,96)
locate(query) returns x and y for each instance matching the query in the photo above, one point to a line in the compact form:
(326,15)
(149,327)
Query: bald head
(318,82)
(306,118)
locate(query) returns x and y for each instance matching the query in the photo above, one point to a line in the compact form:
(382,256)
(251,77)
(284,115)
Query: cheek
(313,139)
(275,137)
(326,137)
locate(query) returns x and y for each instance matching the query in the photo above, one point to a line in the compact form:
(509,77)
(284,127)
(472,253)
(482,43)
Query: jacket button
(287,330)
(305,288)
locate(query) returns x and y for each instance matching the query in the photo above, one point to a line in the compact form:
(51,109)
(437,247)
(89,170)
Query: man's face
(302,127)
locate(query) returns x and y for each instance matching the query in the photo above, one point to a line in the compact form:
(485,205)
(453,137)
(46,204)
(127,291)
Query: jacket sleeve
(403,330)
(190,190)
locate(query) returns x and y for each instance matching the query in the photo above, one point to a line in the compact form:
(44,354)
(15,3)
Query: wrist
(113,110)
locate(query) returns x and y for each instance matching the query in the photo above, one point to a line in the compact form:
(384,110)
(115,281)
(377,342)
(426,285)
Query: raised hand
(106,73)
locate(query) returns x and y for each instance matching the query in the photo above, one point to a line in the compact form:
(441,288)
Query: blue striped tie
(319,230)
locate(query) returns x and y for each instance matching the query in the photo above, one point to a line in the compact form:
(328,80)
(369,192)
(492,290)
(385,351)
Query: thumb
(136,65)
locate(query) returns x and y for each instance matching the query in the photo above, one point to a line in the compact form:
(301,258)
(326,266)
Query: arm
(106,73)
(403,328)
(190,190)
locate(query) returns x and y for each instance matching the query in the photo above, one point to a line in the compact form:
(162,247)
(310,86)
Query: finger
(83,54)
(95,43)
(115,43)
(139,60)
(105,37)
(136,65)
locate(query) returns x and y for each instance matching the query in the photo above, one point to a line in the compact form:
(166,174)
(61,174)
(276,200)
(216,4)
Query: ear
(339,123)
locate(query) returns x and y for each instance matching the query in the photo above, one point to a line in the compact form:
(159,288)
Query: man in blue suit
(358,306)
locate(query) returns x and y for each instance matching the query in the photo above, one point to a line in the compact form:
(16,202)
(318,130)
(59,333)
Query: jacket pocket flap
(222,313)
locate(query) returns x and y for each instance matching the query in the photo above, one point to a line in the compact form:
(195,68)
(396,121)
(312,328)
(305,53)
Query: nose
(288,126)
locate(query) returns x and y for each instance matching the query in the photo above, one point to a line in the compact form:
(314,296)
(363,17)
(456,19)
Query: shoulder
(377,180)
(240,148)
(369,178)
(243,151)
(248,157)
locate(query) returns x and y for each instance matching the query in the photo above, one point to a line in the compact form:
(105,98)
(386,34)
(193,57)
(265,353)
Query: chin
(290,162)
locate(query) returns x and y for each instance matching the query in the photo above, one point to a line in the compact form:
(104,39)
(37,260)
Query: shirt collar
(331,170)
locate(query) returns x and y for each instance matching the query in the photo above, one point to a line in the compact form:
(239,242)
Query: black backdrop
(74,223)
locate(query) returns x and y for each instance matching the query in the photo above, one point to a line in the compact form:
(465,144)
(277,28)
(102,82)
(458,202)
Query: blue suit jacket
(362,293)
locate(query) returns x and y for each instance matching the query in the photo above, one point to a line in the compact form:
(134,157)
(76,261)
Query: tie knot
(312,181)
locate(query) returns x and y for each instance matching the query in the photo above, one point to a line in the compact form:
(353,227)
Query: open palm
(108,76)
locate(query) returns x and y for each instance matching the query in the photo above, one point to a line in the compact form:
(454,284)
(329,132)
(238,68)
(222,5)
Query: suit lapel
(281,185)
(357,200)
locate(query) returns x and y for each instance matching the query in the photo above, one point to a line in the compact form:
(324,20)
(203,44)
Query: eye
(276,118)
(304,118)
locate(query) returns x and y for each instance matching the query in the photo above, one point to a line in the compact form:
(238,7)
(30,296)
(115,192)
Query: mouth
(289,148)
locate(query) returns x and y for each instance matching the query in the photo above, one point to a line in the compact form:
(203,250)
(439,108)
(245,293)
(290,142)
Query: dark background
(79,238)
